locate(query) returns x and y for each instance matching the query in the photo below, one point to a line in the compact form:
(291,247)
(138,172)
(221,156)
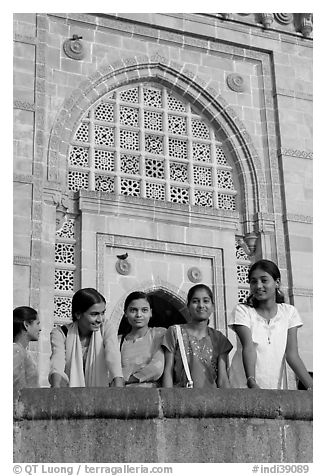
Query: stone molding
(180,214)
(22,260)
(121,22)
(300,154)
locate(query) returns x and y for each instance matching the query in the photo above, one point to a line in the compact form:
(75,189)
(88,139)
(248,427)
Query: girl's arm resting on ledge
(249,355)
(294,360)
(222,379)
(168,369)
(56,380)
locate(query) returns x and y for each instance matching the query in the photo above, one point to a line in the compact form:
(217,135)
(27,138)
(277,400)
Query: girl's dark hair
(136,295)
(192,291)
(84,299)
(270,268)
(23,314)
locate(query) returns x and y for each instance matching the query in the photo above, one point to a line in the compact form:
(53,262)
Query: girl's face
(91,320)
(263,285)
(200,305)
(33,329)
(138,313)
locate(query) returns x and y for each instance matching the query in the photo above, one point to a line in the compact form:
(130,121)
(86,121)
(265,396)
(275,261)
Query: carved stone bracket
(61,203)
(306,24)
(267,19)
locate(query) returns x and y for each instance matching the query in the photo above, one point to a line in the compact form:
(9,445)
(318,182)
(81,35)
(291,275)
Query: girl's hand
(251,383)
(133,379)
(118,382)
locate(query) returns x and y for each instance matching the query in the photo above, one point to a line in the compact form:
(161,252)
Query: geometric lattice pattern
(144,141)
(242,273)
(62,310)
(64,272)
(243,265)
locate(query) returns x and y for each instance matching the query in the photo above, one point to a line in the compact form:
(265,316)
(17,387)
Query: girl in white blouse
(267,330)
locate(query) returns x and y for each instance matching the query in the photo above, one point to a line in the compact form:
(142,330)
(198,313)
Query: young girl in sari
(206,348)
(26,329)
(142,357)
(85,353)
(267,333)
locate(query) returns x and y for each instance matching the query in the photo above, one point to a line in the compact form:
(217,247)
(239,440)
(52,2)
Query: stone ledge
(140,403)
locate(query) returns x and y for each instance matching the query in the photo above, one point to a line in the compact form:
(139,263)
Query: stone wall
(99,425)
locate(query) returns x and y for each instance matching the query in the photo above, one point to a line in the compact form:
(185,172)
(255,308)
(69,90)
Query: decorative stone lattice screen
(142,141)
(243,265)
(64,271)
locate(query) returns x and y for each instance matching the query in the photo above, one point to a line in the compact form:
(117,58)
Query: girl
(206,348)
(141,354)
(85,353)
(267,330)
(26,329)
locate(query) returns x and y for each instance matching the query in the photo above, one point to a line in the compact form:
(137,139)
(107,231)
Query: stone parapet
(173,425)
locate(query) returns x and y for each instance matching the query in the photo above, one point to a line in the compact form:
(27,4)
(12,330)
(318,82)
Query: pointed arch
(180,80)
(173,295)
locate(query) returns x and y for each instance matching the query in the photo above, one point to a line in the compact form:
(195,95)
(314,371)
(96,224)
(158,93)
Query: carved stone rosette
(122,267)
(235,82)
(74,48)
(194,274)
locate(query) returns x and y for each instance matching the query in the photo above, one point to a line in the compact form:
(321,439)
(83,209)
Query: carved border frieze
(300,154)
(22,178)
(22,260)
(298,218)
(24,105)
(300,292)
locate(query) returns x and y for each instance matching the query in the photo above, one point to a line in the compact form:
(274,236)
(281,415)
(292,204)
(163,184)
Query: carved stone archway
(185,83)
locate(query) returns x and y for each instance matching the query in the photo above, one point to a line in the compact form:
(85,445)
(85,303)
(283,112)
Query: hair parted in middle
(83,299)
(272,269)
(192,291)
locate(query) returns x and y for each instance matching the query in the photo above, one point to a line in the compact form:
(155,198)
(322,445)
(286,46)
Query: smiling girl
(85,353)
(142,357)
(206,348)
(267,330)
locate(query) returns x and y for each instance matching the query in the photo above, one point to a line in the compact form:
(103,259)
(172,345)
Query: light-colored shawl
(95,368)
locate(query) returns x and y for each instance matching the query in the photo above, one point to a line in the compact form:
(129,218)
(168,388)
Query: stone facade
(172,137)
